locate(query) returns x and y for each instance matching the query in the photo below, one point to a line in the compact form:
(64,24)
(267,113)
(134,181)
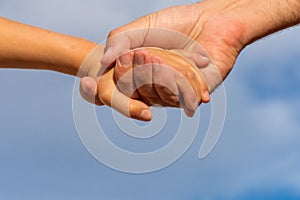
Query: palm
(197,29)
(219,35)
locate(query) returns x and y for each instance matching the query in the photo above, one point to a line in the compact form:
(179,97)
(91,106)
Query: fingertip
(145,115)
(88,86)
(159,66)
(156,60)
(206,97)
(202,61)
(188,112)
(123,65)
(107,58)
(126,59)
(139,110)
(112,54)
(139,58)
(156,67)
(88,90)
(147,56)
(190,101)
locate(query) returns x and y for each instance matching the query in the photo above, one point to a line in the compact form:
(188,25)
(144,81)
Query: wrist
(222,33)
(69,54)
(227,26)
(259,18)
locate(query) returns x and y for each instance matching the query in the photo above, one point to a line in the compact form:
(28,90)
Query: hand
(220,28)
(187,75)
(161,77)
(203,30)
(99,88)
(211,28)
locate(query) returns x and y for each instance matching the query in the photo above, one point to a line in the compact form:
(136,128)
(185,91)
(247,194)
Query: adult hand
(206,31)
(163,77)
(220,28)
(203,31)
(102,82)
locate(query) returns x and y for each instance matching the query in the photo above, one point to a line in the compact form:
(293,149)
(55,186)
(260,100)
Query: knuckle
(160,87)
(113,33)
(189,74)
(104,95)
(146,90)
(173,100)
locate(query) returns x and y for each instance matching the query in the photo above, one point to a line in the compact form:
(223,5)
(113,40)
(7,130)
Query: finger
(123,39)
(200,61)
(189,96)
(184,68)
(114,51)
(164,82)
(193,74)
(143,78)
(201,84)
(198,82)
(197,54)
(188,112)
(88,90)
(109,95)
(205,96)
(123,75)
(133,36)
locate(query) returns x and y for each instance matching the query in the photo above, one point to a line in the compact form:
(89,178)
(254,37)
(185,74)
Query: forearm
(234,24)
(262,17)
(28,47)
(270,16)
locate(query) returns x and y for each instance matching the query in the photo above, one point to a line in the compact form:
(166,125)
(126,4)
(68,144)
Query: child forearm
(27,47)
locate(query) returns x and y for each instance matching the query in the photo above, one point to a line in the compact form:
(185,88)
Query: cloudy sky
(42,157)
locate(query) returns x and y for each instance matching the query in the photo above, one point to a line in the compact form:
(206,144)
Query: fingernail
(126,60)
(139,59)
(206,96)
(192,105)
(156,66)
(205,59)
(86,85)
(85,89)
(196,104)
(189,113)
(108,50)
(146,115)
(106,59)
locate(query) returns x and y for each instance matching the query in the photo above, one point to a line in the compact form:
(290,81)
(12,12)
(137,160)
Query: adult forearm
(28,47)
(264,17)
(234,24)
(272,16)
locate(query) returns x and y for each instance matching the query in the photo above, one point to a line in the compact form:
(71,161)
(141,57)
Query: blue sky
(257,156)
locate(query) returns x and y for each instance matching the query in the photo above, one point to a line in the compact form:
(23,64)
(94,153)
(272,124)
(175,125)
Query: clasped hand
(146,77)
(207,41)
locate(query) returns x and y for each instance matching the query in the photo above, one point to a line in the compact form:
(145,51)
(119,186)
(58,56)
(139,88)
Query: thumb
(88,90)
(122,40)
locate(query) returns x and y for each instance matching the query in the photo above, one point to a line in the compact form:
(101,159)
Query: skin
(27,47)
(222,28)
(181,85)
(34,48)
